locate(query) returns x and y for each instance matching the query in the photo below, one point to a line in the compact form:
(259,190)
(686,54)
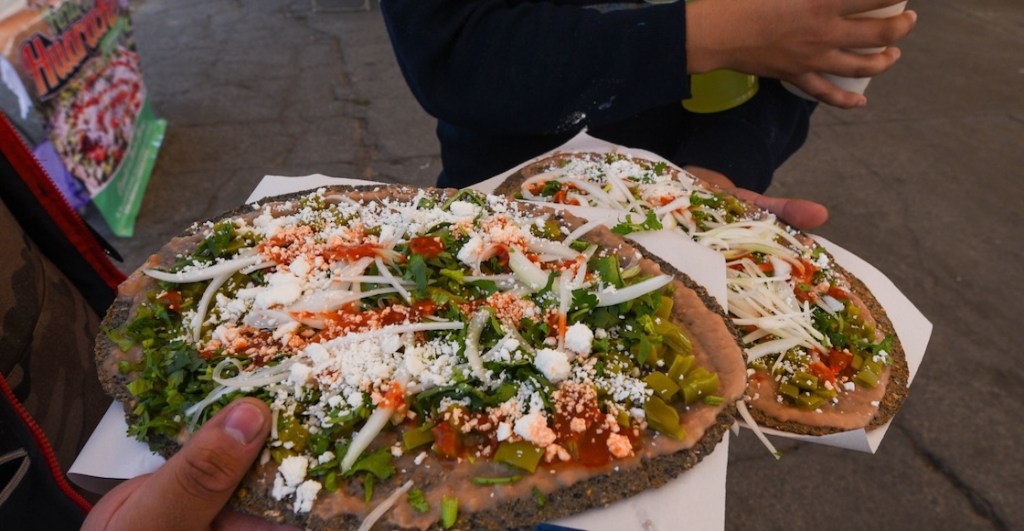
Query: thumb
(194,485)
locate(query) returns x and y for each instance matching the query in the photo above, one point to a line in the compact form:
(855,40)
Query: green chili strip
(496,481)
(449,511)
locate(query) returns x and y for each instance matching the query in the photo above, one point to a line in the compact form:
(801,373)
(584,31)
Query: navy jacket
(510,79)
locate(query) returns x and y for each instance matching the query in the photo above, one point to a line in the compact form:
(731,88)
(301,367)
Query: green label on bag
(120,201)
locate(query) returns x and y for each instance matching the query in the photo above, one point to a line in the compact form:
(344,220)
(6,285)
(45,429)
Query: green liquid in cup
(719,90)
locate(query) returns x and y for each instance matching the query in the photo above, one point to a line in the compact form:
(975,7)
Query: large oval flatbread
(355,307)
(786,293)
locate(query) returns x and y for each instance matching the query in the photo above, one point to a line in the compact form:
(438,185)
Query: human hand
(795,40)
(190,491)
(800,213)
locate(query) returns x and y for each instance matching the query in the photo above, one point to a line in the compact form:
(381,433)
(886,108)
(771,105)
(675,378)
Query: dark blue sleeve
(525,68)
(509,80)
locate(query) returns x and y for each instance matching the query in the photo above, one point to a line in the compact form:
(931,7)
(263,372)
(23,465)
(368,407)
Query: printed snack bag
(72,86)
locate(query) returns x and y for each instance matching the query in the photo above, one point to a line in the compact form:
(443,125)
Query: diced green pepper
(680,366)
(664,308)
(662,385)
(520,454)
(278,454)
(807,382)
(826,393)
(538,497)
(449,511)
(789,390)
(809,401)
(664,418)
(290,430)
(417,437)
(698,383)
(866,377)
(713,400)
(673,338)
(331,482)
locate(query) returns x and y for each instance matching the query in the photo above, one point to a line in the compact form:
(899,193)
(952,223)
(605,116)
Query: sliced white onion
(775,346)
(384,507)
(564,299)
(393,329)
(831,305)
(476,326)
(540,178)
(514,334)
(627,197)
(503,281)
(362,439)
(685,219)
(680,202)
(261,377)
(267,319)
(393,281)
(256,267)
(321,301)
(328,301)
(354,268)
(596,193)
(552,248)
(749,420)
(580,231)
(527,272)
(371,279)
(629,293)
(227,267)
(196,326)
(197,409)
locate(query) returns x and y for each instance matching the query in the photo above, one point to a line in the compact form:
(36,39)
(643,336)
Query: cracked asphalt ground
(924,183)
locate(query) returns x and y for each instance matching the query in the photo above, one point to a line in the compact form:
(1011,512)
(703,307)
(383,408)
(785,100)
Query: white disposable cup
(855,84)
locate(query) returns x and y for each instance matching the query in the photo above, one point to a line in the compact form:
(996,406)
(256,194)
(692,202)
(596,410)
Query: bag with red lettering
(72,85)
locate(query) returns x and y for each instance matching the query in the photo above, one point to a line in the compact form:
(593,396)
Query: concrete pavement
(924,183)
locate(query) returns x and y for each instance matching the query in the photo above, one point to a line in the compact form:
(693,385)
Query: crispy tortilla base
(254,495)
(897,388)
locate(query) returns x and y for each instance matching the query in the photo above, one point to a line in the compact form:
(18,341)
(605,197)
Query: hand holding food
(191,490)
(795,40)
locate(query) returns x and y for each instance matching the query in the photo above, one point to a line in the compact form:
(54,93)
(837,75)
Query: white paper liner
(697,497)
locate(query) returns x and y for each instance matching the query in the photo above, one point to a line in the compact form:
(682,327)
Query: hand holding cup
(797,41)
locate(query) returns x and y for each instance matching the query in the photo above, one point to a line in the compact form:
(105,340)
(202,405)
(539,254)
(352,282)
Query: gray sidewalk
(925,184)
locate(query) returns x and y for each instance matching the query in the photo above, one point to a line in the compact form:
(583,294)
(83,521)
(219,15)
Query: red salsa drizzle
(426,246)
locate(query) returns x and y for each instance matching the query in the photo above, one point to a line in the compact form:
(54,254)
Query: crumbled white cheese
(464,209)
(553,364)
(533,428)
(325,457)
(504,431)
(282,288)
(300,267)
(579,339)
(471,251)
(290,473)
(305,495)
